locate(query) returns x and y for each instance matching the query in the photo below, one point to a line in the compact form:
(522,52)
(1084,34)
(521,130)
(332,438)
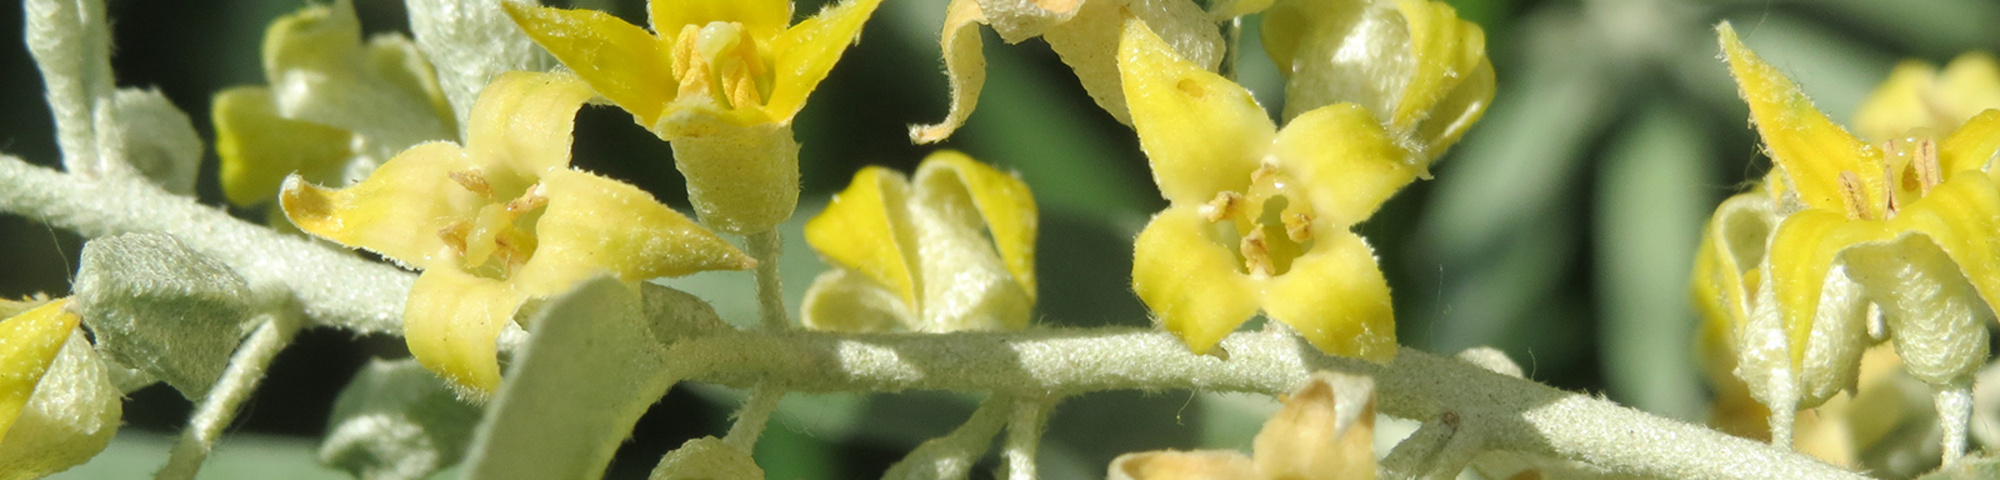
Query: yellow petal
(1326,431)
(1802,252)
(1898,105)
(1003,201)
(646,240)
(1453,80)
(807,51)
(764,18)
(1350,163)
(1089,43)
(1202,133)
(1961,216)
(843,300)
(451,322)
(1018,20)
(318,38)
(1972,146)
(521,124)
(1336,298)
(1175,465)
(623,62)
(1191,283)
(258,148)
(865,228)
(1731,255)
(395,59)
(964,64)
(396,212)
(1811,150)
(31,342)
(1972,83)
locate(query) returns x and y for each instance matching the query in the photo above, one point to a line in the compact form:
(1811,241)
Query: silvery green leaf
(72,45)
(142,132)
(472,42)
(590,368)
(397,421)
(162,308)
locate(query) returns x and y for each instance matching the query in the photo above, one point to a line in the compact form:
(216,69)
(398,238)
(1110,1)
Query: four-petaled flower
(1910,221)
(1325,431)
(500,221)
(917,255)
(58,407)
(721,79)
(1259,216)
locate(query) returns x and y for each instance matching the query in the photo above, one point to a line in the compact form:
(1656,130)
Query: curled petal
(646,240)
(1973,146)
(70,418)
(1452,82)
(1342,145)
(32,340)
(964,64)
(866,229)
(395,212)
(1089,43)
(763,18)
(451,322)
(1336,297)
(1192,284)
(1003,201)
(1326,431)
(808,51)
(1017,20)
(1961,216)
(1173,465)
(623,62)
(843,300)
(1802,253)
(1812,151)
(1898,105)
(258,148)
(1203,133)
(521,125)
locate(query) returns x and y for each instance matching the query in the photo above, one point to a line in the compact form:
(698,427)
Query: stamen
(1256,254)
(528,202)
(1857,198)
(454,236)
(690,66)
(1225,205)
(1929,173)
(472,180)
(1298,226)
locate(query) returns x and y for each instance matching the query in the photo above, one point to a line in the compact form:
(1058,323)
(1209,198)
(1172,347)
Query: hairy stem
(951,456)
(246,370)
(754,414)
(765,247)
(1024,436)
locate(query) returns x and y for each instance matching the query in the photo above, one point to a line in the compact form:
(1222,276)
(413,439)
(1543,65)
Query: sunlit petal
(1802,252)
(1897,105)
(1203,133)
(864,228)
(1326,431)
(764,18)
(647,239)
(623,62)
(1451,71)
(807,51)
(31,341)
(1089,43)
(1342,145)
(1004,204)
(1174,465)
(396,212)
(1812,150)
(843,300)
(1336,297)
(258,148)
(451,322)
(1972,146)
(1191,283)
(521,125)
(964,65)
(1961,216)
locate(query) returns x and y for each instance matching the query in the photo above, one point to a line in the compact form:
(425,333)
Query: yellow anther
(472,180)
(454,236)
(1298,226)
(1856,198)
(1225,205)
(1257,254)
(530,201)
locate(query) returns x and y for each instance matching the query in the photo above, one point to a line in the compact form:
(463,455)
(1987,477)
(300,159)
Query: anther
(1856,197)
(1223,206)
(1298,226)
(1256,255)
(473,181)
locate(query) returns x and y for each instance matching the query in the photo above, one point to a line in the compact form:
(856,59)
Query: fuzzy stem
(766,246)
(753,415)
(951,456)
(1024,436)
(1419,456)
(1954,407)
(246,370)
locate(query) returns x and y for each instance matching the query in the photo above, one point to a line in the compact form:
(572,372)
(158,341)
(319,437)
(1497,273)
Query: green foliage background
(1559,231)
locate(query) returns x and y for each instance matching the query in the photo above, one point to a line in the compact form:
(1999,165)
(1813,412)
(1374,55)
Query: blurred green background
(1559,231)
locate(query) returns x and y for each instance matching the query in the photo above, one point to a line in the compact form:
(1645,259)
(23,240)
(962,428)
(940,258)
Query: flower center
(1909,171)
(719,62)
(1271,221)
(495,241)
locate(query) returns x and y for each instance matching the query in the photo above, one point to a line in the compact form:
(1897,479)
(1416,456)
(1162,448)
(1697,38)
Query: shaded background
(1559,231)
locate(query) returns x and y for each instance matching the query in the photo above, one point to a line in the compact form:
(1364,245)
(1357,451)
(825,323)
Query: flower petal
(647,240)
(521,126)
(807,52)
(1973,146)
(1898,104)
(258,148)
(1202,133)
(451,323)
(1191,283)
(1326,431)
(1731,254)
(843,300)
(1176,465)
(1336,298)
(1812,151)
(32,340)
(1088,43)
(1349,163)
(865,228)
(1961,216)
(1018,20)
(764,18)
(1802,252)
(396,60)
(964,64)
(396,211)
(1003,202)
(1453,80)
(623,62)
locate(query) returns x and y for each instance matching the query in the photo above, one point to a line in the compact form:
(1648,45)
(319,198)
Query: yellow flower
(57,405)
(1259,216)
(1917,95)
(1909,222)
(721,79)
(500,221)
(1084,32)
(1414,63)
(1326,431)
(886,236)
(335,107)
